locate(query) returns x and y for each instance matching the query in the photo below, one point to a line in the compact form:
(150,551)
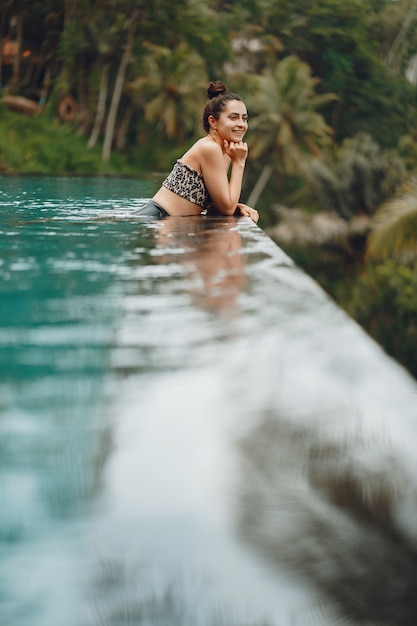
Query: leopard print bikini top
(188,183)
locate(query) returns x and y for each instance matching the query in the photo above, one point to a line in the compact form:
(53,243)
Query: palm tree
(118,87)
(356,177)
(105,38)
(395,225)
(110,38)
(169,91)
(286,127)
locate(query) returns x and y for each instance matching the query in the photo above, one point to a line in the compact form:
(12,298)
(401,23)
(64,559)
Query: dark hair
(218,97)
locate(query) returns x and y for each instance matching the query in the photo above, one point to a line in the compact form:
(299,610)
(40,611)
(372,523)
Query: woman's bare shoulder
(204,149)
(210,150)
(205,145)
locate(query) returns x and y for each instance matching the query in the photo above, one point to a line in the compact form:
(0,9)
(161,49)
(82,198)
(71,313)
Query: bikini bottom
(151,209)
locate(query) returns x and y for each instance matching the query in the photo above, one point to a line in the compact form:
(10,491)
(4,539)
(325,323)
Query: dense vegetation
(119,87)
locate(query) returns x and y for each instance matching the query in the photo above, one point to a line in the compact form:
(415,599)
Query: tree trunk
(117,91)
(101,106)
(124,127)
(260,186)
(391,60)
(70,7)
(83,116)
(2,29)
(18,56)
(46,84)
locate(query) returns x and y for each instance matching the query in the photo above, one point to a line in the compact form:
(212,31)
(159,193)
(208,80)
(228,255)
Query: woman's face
(233,121)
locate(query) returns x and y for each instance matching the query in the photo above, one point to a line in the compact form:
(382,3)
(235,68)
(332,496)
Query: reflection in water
(327,510)
(210,250)
(182,293)
(127,598)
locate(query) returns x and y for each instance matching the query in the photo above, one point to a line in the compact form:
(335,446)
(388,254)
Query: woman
(199,180)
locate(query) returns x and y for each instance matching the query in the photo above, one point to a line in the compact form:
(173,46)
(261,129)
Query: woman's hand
(247,211)
(237,152)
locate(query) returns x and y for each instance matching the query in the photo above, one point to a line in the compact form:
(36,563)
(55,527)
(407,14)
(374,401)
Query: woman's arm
(225,193)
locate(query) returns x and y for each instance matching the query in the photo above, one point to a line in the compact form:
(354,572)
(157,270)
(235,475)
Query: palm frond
(395,225)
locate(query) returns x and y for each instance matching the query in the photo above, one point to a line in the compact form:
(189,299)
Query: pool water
(191,431)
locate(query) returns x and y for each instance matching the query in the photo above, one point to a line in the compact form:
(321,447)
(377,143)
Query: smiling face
(233,121)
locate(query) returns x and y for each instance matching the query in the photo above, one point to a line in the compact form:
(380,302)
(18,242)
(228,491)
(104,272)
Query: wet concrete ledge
(263,467)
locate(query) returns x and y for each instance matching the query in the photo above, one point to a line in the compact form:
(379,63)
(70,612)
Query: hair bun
(216,88)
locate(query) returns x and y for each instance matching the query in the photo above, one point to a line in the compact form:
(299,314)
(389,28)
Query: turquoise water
(191,432)
(63,245)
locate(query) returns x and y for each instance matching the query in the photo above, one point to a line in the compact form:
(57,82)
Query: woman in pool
(199,180)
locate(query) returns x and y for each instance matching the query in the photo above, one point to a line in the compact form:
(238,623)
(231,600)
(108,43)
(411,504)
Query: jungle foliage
(137,71)
(383,299)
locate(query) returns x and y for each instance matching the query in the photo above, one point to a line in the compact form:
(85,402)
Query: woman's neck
(215,137)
